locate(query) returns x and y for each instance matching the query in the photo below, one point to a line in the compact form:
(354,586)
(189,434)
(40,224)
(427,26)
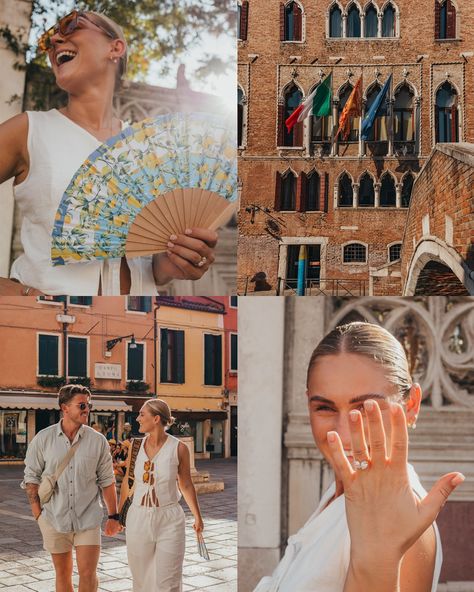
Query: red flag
(352,108)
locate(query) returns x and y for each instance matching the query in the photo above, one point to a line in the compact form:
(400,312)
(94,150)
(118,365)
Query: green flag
(322,98)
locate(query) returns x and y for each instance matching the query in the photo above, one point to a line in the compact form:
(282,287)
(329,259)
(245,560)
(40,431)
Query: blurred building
(281,472)
(126,349)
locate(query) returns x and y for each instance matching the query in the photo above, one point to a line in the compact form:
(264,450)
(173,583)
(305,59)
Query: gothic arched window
(335,22)
(446,114)
(345,191)
(366,191)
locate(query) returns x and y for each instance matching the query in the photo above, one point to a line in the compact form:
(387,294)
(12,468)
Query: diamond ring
(361,465)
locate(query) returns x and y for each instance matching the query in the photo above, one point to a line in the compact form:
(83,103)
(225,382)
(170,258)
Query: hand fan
(154,179)
(202,549)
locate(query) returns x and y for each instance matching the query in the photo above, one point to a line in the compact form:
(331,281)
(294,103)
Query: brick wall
(441,215)
(267,65)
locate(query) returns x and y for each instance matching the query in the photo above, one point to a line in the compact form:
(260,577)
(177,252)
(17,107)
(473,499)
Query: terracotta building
(346,199)
(126,350)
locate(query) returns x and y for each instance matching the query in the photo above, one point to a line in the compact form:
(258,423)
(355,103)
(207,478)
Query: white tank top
(156,479)
(317,556)
(57,147)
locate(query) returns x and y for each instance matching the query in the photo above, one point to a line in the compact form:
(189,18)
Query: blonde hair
(162,409)
(117,32)
(372,341)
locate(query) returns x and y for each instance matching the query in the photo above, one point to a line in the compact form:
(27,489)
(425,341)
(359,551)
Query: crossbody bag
(136,443)
(49,482)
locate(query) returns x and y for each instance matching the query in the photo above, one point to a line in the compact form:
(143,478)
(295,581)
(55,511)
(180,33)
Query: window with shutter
(293,98)
(233,352)
(77,357)
(80,300)
(139,303)
(172,356)
(212,360)
(278,191)
(335,22)
(345,197)
(388,195)
(450,20)
(48,355)
(244,17)
(135,362)
(366,191)
(313,187)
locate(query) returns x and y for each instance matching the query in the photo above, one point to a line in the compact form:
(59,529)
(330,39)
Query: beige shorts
(63,542)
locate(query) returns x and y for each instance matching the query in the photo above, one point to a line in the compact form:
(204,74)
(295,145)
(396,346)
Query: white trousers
(155,547)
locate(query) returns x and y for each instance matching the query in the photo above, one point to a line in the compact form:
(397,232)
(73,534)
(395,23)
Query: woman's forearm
(189,494)
(160,277)
(372,574)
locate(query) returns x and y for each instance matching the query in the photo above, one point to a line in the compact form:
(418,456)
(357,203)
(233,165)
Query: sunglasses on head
(66,26)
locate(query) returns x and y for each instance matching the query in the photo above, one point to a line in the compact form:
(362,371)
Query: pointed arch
(379,131)
(447,113)
(310,191)
(334,19)
(345,191)
(367,190)
(388,192)
(354,19)
(404,120)
(320,127)
(291,96)
(446,19)
(390,19)
(408,180)
(292,13)
(285,190)
(371,20)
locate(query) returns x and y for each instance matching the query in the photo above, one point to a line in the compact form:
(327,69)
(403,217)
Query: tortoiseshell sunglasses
(66,26)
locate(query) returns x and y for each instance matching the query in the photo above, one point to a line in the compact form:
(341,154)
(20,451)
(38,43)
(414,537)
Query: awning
(22,402)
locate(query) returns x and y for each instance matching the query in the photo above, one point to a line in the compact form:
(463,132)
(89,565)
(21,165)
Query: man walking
(73,515)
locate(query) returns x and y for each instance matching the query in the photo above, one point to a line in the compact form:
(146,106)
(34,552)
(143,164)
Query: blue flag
(374,110)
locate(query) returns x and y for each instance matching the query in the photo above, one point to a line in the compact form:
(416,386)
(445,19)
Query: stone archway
(437,279)
(437,269)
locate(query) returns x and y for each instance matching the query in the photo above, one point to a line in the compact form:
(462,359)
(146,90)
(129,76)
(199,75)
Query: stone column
(16,15)
(261,353)
(355,195)
(377,194)
(398,189)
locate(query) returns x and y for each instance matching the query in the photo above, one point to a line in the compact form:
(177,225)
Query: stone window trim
(298,128)
(362,12)
(453,25)
(285,241)
(279,179)
(244,122)
(283,6)
(389,250)
(460,126)
(354,243)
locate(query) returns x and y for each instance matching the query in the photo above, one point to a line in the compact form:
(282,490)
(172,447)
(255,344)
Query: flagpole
(362,113)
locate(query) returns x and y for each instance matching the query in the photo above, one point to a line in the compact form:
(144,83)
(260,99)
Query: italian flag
(318,103)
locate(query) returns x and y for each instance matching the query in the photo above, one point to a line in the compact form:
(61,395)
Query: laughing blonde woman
(43,150)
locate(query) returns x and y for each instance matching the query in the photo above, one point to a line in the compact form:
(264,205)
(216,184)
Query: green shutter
(208,358)
(135,362)
(164,356)
(77,357)
(179,343)
(146,304)
(48,346)
(218,360)
(233,351)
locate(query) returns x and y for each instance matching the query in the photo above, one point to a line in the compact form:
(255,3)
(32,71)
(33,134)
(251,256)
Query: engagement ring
(361,465)
(202,262)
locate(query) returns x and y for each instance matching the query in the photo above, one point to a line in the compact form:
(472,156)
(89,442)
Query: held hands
(112,527)
(189,256)
(384,516)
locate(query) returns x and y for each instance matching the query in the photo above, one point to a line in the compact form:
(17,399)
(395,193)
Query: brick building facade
(346,200)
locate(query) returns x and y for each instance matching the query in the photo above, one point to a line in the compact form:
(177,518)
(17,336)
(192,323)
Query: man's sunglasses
(66,26)
(84,406)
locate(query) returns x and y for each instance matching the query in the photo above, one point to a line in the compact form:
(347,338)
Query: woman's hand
(384,516)
(198,524)
(12,288)
(189,256)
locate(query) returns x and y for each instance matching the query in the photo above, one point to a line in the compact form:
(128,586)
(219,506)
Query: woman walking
(43,150)
(155,521)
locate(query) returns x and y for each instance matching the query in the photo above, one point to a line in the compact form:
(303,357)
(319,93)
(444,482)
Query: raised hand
(384,516)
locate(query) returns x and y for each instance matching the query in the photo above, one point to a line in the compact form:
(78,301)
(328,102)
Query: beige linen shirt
(75,504)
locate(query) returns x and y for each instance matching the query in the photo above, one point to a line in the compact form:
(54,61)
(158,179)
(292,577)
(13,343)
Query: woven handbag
(136,443)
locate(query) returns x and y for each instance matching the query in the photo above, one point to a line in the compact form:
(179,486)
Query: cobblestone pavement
(26,567)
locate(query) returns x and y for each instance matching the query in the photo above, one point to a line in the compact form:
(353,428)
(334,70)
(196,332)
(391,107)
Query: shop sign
(113,371)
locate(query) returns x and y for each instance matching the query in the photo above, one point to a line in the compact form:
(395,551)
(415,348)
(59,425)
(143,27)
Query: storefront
(206,428)
(24,415)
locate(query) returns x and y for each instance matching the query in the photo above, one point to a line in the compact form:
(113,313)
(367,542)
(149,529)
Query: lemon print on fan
(156,178)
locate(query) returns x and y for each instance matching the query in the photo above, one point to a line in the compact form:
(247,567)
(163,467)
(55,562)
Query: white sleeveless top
(317,556)
(158,486)
(57,147)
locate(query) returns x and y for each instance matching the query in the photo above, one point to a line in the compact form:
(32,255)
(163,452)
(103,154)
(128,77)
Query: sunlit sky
(221,85)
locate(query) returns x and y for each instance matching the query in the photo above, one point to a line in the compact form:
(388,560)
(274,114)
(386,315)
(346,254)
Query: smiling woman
(374,528)
(43,150)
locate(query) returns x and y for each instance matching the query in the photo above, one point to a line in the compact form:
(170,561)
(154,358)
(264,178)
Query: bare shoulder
(183,450)
(14,160)
(418,564)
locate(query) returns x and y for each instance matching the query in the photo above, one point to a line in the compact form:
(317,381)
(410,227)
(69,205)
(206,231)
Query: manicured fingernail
(188,231)
(331,436)
(173,237)
(170,245)
(369,405)
(458,479)
(353,415)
